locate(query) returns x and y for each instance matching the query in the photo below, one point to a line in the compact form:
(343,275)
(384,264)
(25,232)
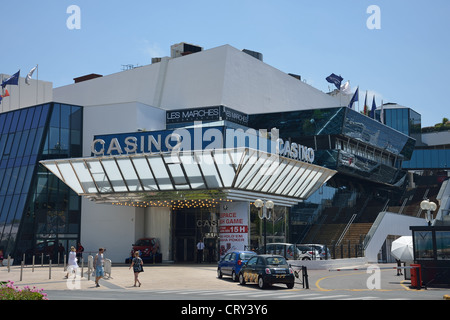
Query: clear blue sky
(406,61)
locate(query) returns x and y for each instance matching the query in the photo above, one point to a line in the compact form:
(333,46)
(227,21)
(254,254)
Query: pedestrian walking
(80,250)
(399,264)
(72,265)
(200,248)
(99,261)
(137,265)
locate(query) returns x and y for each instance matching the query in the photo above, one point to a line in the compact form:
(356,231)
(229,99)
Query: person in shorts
(99,261)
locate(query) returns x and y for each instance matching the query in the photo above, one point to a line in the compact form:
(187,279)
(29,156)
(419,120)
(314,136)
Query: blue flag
(374,107)
(336,80)
(354,98)
(13,80)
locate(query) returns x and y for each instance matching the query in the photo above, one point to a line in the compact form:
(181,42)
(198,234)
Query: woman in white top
(72,263)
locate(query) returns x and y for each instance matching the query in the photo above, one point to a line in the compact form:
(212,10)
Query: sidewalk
(157,277)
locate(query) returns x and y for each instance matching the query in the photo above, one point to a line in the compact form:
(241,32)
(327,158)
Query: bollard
(32,269)
(9,263)
(21,270)
(50,269)
(42,259)
(82,267)
(305,277)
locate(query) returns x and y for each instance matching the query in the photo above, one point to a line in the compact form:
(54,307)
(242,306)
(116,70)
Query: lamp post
(429,206)
(264,215)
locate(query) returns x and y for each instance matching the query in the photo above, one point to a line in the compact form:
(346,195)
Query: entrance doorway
(185,249)
(191,225)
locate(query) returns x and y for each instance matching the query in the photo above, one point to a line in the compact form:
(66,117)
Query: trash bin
(416,276)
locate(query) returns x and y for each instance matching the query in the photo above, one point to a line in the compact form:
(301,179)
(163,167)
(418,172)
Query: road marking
(297,295)
(329,297)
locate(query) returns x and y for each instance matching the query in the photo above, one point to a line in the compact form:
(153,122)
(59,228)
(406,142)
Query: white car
(286,250)
(324,252)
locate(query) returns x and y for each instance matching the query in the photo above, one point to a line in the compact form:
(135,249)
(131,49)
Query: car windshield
(276,261)
(246,255)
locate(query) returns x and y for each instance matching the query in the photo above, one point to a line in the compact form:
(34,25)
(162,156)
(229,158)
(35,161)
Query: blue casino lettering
(197,139)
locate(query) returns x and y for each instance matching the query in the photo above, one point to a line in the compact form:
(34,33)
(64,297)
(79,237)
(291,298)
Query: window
(443,245)
(252,261)
(423,244)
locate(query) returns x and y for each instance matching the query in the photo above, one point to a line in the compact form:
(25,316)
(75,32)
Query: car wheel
(261,283)
(241,279)
(219,273)
(234,276)
(306,258)
(290,285)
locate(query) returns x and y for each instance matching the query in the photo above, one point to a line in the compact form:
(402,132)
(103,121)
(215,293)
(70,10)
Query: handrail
(346,229)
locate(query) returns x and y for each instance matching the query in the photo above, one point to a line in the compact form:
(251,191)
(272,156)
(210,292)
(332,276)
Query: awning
(237,174)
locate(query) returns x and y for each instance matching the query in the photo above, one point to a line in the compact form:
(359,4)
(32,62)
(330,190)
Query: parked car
(286,250)
(324,252)
(231,263)
(312,252)
(148,249)
(267,270)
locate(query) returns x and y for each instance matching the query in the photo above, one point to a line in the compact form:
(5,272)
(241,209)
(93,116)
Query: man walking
(98,266)
(200,248)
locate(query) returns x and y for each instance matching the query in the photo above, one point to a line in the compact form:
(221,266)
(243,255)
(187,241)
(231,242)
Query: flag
(374,107)
(365,105)
(336,80)
(354,98)
(13,80)
(345,88)
(4,95)
(29,75)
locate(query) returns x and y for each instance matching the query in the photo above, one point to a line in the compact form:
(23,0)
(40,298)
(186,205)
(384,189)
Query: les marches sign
(215,113)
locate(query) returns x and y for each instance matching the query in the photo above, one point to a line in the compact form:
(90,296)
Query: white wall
(252,86)
(391,224)
(23,95)
(219,76)
(158,225)
(108,226)
(118,118)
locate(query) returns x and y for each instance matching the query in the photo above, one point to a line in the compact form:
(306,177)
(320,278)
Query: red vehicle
(146,246)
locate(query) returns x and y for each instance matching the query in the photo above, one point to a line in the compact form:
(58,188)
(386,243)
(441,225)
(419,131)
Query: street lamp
(429,206)
(264,215)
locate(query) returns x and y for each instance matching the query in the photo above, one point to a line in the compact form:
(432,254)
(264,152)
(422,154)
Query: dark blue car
(231,263)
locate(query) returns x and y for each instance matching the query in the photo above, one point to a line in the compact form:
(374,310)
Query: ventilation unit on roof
(254,54)
(183,49)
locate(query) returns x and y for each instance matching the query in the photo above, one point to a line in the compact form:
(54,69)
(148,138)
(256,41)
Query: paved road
(199,283)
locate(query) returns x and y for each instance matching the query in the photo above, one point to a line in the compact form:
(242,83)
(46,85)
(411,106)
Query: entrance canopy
(228,174)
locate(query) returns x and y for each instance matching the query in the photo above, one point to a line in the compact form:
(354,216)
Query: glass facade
(429,159)
(405,120)
(344,140)
(37,210)
(366,154)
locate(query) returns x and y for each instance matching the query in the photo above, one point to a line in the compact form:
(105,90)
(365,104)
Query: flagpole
(18,84)
(37,83)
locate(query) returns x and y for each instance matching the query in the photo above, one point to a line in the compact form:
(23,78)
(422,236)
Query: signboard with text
(233,226)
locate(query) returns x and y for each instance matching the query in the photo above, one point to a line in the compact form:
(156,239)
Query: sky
(398,52)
